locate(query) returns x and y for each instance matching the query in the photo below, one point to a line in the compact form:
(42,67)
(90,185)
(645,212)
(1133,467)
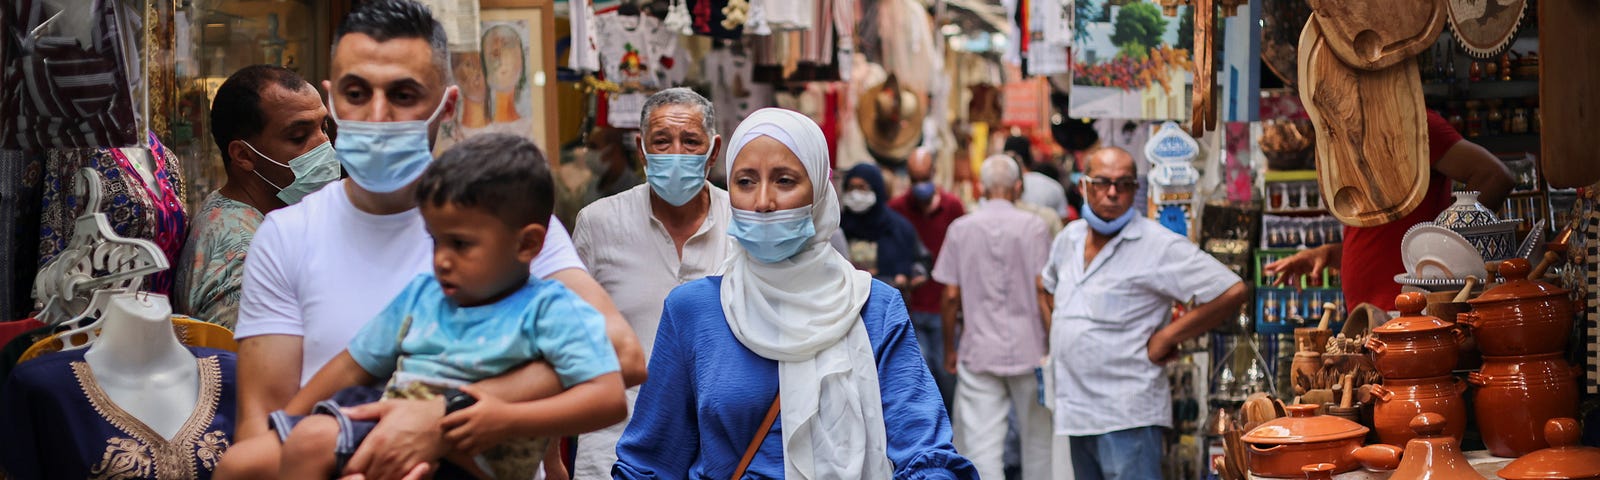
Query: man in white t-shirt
(320,269)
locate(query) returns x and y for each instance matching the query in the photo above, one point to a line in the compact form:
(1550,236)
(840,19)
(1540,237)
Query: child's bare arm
(584,408)
(337,374)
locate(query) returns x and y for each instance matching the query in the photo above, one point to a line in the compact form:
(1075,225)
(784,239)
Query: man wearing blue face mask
(931,210)
(320,269)
(268,126)
(1115,276)
(647,240)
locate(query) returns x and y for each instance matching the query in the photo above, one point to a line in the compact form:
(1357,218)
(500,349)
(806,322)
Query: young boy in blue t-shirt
(486,203)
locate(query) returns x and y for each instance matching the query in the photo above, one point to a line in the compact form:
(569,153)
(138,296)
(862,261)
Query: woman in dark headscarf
(881,241)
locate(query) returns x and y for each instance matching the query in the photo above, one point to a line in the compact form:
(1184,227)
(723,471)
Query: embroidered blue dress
(58,423)
(707,394)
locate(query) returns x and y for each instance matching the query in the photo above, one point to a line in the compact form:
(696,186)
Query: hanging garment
(1049,37)
(58,423)
(67,84)
(708,18)
(151,211)
(632,48)
(19,198)
(584,56)
(734,92)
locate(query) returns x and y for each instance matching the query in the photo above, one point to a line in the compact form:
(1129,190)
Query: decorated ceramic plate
(1431,284)
(1432,251)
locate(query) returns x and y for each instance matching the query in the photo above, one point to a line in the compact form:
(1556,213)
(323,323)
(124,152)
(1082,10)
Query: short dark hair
(389,19)
(236,110)
(503,174)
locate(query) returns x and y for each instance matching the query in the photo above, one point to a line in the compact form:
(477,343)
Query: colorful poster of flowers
(1130,61)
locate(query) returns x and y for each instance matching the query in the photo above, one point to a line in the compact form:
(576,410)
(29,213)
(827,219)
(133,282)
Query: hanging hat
(891,119)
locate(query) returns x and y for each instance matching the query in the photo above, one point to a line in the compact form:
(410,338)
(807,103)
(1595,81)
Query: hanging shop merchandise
(1372,140)
(119,414)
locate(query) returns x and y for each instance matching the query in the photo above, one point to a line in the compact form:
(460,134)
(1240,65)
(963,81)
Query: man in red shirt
(1369,258)
(931,210)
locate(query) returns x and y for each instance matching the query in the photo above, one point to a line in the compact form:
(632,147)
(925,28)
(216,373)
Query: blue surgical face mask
(312,170)
(923,191)
(773,236)
(676,178)
(384,156)
(1104,227)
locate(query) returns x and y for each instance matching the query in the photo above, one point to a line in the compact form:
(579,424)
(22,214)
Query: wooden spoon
(1472,282)
(1549,260)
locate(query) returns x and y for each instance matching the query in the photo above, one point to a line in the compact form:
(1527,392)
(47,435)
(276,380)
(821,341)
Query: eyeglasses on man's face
(1101,183)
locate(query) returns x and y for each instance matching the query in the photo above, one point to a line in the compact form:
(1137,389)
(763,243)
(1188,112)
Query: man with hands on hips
(1115,275)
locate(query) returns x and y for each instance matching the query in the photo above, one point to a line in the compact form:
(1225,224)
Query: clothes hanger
(96,259)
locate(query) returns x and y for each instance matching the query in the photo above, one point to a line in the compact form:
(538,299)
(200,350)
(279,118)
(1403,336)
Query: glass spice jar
(1474,121)
(1505,67)
(1493,119)
(1474,72)
(1519,121)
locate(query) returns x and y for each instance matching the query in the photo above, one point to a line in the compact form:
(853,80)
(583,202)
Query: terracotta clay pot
(1414,345)
(1281,447)
(1432,454)
(1565,459)
(1396,402)
(1320,471)
(1517,395)
(1521,317)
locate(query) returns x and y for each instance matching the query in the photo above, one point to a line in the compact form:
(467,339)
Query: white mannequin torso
(139,364)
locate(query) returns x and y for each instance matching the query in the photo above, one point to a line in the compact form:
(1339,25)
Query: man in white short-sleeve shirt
(1115,276)
(643,242)
(322,268)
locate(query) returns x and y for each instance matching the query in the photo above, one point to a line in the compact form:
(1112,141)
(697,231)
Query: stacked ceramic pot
(1522,328)
(1415,354)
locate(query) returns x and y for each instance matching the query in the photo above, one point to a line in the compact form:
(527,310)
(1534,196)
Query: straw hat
(891,119)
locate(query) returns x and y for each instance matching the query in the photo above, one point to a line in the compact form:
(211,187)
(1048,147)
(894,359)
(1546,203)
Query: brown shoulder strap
(755,443)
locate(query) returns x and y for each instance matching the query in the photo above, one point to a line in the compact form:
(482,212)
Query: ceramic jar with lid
(1414,345)
(1564,460)
(1516,395)
(1433,454)
(1281,447)
(1520,317)
(1397,401)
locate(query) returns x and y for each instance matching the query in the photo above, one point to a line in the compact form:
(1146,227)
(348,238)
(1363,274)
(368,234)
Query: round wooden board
(1378,34)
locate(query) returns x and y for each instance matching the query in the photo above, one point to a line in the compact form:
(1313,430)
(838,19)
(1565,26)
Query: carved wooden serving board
(1372,133)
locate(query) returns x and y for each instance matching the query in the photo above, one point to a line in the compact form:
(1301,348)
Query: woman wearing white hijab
(791,320)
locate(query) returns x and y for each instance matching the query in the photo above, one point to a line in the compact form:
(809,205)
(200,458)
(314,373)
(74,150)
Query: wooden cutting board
(1569,87)
(1378,34)
(1372,133)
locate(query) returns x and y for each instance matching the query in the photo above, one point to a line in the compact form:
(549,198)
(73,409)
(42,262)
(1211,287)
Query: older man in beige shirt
(645,241)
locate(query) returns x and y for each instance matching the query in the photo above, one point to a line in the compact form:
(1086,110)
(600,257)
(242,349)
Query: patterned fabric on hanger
(135,209)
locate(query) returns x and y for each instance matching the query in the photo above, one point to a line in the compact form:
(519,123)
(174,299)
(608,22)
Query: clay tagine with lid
(1279,448)
(1564,460)
(1432,454)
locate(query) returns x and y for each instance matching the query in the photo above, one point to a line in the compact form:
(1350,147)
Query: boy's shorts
(517,458)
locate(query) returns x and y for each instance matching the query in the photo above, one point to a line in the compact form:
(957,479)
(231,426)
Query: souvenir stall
(1484,366)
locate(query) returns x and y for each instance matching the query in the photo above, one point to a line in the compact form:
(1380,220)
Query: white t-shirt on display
(320,269)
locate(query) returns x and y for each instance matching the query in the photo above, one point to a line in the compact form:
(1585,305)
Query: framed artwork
(1130,61)
(508,83)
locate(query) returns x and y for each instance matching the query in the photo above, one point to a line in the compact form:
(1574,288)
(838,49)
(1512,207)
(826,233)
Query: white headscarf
(805,313)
